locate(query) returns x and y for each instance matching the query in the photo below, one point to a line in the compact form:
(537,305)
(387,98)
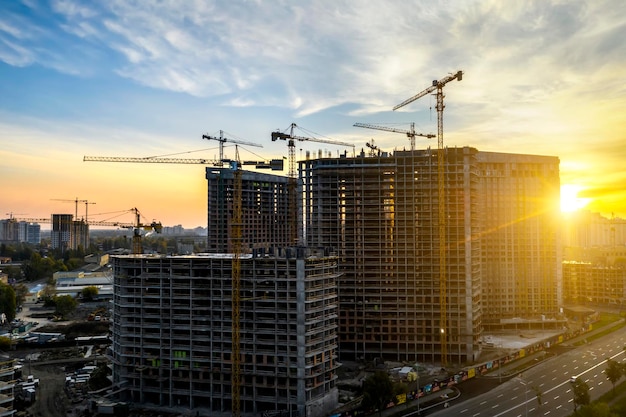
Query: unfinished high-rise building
(520,256)
(380,215)
(265,212)
(172,333)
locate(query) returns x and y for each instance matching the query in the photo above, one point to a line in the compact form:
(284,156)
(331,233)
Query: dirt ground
(51,398)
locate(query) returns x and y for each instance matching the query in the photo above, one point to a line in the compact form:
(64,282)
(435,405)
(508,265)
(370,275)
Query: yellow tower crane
(409,133)
(437,86)
(291,138)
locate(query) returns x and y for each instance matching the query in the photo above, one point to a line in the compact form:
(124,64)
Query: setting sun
(570,200)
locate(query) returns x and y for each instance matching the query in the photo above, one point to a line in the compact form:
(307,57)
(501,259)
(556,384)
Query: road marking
(483,403)
(500,395)
(546,413)
(495,406)
(558,406)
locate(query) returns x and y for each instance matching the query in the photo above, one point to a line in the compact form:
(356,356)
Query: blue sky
(148,78)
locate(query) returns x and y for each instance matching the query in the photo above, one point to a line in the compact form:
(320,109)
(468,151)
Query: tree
(7,301)
(90,292)
(614,372)
(581,393)
(538,393)
(377,391)
(5,343)
(48,294)
(65,304)
(21,291)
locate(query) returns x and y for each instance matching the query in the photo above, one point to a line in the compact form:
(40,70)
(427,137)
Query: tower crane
(373,148)
(274,164)
(291,138)
(76,201)
(437,85)
(137,227)
(223,140)
(409,133)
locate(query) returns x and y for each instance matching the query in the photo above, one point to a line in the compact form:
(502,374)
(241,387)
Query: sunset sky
(149,78)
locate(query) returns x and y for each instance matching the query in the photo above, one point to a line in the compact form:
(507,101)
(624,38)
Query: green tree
(7,301)
(581,393)
(613,371)
(377,391)
(90,292)
(5,343)
(65,305)
(48,294)
(21,291)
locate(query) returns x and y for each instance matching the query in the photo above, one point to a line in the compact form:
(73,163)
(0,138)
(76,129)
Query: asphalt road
(550,381)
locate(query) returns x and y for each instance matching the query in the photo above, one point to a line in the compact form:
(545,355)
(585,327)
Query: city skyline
(149,79)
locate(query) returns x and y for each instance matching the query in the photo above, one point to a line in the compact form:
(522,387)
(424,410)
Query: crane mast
(237,219)
(409,133)
(437,86)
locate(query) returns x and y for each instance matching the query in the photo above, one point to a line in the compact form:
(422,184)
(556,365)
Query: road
(518,397)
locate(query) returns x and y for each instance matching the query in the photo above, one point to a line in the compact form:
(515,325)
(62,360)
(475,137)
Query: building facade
(380,215)
(172,333)
(61,231)
(520,244)
(7,388)
(586,283)
(265,211)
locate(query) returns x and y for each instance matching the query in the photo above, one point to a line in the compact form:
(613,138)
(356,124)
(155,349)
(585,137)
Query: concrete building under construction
(521,249)
(172,333)
(380,215)
(265,212)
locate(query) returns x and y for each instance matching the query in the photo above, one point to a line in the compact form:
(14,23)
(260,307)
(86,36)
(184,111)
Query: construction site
(411,256)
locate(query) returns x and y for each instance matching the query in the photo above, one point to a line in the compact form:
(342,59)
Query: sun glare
(570,200)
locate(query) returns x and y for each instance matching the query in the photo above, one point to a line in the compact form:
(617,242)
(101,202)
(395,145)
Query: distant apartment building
(68,233)
(61,231)
(588,283)
(172,333)
(15,231)
(29,233)
(520,241)
(265,211)
(586,230)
